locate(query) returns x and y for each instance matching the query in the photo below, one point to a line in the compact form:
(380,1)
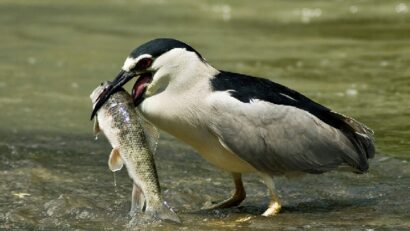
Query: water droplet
(115,181)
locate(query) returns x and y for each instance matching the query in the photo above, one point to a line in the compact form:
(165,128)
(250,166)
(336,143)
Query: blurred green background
(352,56)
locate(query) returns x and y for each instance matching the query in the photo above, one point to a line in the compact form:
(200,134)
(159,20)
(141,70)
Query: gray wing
(277,139)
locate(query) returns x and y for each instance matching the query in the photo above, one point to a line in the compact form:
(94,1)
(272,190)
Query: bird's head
(155,65)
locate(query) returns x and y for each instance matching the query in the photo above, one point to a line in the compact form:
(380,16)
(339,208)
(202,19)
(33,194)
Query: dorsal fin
(151,133)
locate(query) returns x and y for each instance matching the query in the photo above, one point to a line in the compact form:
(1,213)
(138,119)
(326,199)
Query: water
(352,56)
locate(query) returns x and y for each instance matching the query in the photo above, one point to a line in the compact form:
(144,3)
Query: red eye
(144,64)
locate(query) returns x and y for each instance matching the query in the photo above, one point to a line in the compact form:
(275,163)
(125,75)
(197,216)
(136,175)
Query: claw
(238,196)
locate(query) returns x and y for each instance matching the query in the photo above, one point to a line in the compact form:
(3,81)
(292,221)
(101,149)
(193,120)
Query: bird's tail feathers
(362,138)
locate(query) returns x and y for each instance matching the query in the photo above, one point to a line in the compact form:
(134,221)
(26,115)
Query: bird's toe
(273,209)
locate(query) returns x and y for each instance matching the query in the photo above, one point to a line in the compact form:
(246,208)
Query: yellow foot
(274,205)
(273,209)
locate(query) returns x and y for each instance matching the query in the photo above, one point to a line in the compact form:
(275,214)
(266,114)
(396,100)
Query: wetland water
(352,56)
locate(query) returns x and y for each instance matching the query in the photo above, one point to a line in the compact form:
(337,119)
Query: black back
(159,46)
(245,88)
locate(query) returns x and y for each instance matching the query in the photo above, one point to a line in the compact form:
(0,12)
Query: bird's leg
(274,204)
(238,196)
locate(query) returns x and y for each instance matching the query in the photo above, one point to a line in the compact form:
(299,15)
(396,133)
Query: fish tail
(163,212)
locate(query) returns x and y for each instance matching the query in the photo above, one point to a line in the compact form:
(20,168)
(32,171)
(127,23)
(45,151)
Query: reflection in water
(350,55)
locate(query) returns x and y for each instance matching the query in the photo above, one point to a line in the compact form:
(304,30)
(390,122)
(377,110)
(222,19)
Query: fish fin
(137,200)
(164,212)
(96,128)
(115,162)
(151,133)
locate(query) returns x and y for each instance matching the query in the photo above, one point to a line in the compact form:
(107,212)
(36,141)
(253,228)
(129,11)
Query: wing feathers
(279,130)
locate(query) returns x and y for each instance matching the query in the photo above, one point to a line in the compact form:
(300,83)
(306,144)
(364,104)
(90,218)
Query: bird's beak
(122,78)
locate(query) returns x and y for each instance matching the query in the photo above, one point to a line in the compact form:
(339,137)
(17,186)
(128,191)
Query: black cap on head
(159,46)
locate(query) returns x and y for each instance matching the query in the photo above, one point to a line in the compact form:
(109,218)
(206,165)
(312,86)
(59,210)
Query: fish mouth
(96,94)
(122,78)
(140,86)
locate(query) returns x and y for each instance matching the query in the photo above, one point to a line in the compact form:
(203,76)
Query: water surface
(352,56)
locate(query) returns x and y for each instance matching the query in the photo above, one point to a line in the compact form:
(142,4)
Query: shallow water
(352,56)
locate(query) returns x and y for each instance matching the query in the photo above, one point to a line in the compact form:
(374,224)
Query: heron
(240,123)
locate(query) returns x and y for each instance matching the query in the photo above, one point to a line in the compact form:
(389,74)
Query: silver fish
(124,129)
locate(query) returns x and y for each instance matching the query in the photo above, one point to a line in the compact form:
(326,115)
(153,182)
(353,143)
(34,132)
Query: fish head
(97,93)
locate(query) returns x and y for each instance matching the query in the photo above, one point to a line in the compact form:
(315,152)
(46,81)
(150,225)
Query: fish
(133,146)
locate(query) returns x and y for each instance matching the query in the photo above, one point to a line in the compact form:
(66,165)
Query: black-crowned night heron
(237,122)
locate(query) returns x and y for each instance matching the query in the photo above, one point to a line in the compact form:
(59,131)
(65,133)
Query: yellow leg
(238,196)
(274,204)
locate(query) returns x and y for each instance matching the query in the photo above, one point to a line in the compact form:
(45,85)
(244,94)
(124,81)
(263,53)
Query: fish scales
(131,140)
(121,124)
